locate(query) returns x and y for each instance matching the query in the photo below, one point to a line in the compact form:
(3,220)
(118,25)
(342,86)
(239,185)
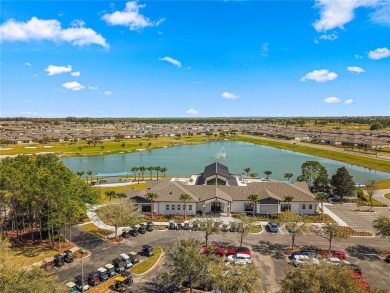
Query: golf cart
(225,228)
(172,225)
(147,250)
(103,274)
(128,278)
(72,288)
(126,259)
(186,225)
(125,233)
(142,228)
(93,279)
(123,281)
(134,231)
(134,257)
(149,226)
(179,226)
(79,283)
(110,270)
(119,265)
(58,260)
(195,226)
(68,256)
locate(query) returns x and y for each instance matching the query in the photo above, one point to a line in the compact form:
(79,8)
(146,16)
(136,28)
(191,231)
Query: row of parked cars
(195,226)
(334,257)
(135,231)
(117,268)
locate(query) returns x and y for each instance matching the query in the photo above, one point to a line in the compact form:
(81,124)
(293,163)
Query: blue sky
(195,58)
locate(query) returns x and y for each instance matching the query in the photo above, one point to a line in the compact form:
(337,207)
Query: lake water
(191,159)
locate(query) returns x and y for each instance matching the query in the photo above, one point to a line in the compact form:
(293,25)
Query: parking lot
(268,254)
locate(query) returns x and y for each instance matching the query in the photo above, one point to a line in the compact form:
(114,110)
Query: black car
(186,225)
(134,231)
(119,265)
(147,250)
(225,228)
(179,226)
(58,260)
(149,226)
(79,283)
(68,256)
(93,279)
(172,225)
(195,227)
(387,258)
(142,229)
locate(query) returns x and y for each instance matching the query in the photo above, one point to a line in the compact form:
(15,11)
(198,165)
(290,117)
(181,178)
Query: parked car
(300,259)
(147,250)
(186,225)
(195,226)
(103,274)
(110,270)
(58,260)
(225,228)
(80,282)
(172,225)
(72,287)
(273,227)
(134,231)
(243,250)
(336,261)
(142,228)
(387,258)
(358,185)
(68,256)
(179,226)
(134,257)
(333,253)
(149,226)
(93,279)
(355,268)
(126,259)
(217,250)
(310,253)
(119,265)
(239,258)
(126,233)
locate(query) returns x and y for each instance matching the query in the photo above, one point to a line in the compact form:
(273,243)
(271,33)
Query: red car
(365,285)
(243,250)
(333,253)
(217,250)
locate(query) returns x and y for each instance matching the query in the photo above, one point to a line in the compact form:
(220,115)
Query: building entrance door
(216,207)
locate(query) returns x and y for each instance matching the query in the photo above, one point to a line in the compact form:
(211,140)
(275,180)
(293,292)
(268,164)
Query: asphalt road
(268,254)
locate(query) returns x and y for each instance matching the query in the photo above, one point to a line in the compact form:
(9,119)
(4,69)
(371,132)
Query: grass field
(387,195)
(91,228)
(383,184)
(105,199)
(370,163)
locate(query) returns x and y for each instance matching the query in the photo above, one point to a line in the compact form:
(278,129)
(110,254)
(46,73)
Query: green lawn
(383,184)
(144,266)
(105,199)
(91,228)
(387,195)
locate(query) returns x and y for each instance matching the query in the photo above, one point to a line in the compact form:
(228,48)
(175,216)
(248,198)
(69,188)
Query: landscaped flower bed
(160,227)
(351,232)
(167,218)
(147,264)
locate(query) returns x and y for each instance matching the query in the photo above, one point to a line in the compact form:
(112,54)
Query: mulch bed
(351,232)
(119,239)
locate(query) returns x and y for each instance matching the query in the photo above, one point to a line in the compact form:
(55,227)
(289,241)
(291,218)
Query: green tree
(245,226)
(80,173)
(376,126)
(321,197)
(157,169)
(121,214)
(267,173)
(254,198)
(382,226)
(321,182)
(151,196)
(184,197)
(253,175)
(321,278)
(294,224)
(134,170)
(247,170)
(111,194)
(310,171)
(370,188)
(150,169)
(342,183)
(211,227)
(89,173)
(331,231)
(142,169)
(123,145)
(288,199)
(288,176)
(164,170)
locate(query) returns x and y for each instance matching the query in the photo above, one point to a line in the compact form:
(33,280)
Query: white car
(357,185)
(239,258)
(336,261)
(300,259)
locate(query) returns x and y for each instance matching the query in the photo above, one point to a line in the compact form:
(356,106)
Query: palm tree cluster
(138,171)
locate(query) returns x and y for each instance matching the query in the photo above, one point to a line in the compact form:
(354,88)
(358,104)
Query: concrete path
(333,215)
(379,195)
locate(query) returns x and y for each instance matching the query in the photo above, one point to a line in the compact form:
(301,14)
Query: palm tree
(150,169)
(253,175)
(151,196)
(142,169)
(80,148)
(247,170)
(185,197)
(158,169)
(89,173)
(134,170)
(123,145)
(254,198)
(322,197)
(110,193)
(267,172)
(80,173)
(164,169)
(288,176)
(288,199)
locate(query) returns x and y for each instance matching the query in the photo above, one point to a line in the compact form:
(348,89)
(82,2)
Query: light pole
(204,210)
(82,270)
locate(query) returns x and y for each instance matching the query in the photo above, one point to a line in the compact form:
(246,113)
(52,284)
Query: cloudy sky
(195,58)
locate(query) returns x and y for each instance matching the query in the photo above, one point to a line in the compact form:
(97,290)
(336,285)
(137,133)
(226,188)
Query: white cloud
(77,23)
(348,102)
(27,63)
(51,30)
(53,69)
(355,69)
(321,75)
(336,13)
(192,111)
(172,61)
(379,53)
(357,56)
(130,17)
(332,100)
(329,37)
(229,96)
(93,88)
(73,85)
(75,73)
(264,49)
(382,14)
(108,93)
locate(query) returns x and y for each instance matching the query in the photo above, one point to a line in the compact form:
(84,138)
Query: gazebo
(112,179)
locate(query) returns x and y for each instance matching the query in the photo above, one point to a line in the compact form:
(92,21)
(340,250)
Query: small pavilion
(112,179)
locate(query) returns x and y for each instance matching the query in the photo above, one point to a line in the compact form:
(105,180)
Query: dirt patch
(266,268)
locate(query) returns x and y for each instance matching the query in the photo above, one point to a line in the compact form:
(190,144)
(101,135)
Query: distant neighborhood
(28,132)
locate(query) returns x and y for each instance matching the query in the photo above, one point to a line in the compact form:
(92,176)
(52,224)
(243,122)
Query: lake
(191,159)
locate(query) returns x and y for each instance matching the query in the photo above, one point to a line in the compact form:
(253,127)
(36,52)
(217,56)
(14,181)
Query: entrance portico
(216,205)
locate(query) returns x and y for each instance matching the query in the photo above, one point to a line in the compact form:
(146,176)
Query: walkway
(379,195)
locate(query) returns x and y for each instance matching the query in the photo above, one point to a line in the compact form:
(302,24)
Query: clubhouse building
(216,190)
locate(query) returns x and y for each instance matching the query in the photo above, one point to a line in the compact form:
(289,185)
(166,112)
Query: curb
(153,266)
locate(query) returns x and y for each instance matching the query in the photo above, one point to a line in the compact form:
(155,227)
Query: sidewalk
(379,195)
(334,216)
